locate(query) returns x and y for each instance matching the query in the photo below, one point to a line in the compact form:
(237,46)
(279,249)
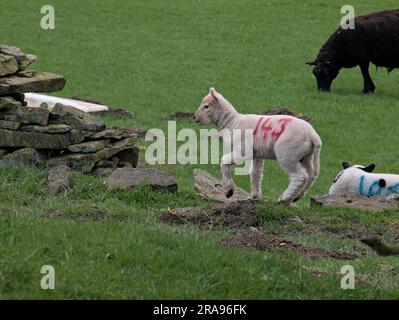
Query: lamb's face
(207,109)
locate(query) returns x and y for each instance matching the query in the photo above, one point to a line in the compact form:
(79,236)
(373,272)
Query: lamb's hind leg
(307,164)
(297,179)
(256,178)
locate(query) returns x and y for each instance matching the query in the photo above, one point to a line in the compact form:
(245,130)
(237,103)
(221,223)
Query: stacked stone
(60,135)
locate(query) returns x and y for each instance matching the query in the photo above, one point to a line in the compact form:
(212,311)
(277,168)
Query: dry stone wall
(61,135)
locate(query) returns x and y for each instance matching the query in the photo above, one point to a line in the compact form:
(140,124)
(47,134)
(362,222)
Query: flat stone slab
(3,152)
(114,134)
(375,204)
(25,115)
(8,65)
(10,125)
(89,147)
(31,81)
(36,99)
(85,162)
(76,118)
(8,102)
(9,138)
(59,180)
(210,188)
(25,156)
(129,177)
(50,128)
(22,59)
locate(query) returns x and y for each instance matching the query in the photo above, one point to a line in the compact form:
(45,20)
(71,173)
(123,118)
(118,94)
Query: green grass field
(154,58)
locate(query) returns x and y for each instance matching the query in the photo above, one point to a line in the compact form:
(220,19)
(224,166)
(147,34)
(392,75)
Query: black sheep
(375,39)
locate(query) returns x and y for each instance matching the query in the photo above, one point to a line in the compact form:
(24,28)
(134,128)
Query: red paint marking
(257,126)
(283,123)
(266,127)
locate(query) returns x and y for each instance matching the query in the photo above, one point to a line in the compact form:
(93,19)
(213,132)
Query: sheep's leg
(368,82)
(297,179)
(256,178)
(227,161)
(307,164)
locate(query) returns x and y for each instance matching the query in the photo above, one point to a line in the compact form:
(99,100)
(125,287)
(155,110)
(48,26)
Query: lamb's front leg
(256,178)
(226,163)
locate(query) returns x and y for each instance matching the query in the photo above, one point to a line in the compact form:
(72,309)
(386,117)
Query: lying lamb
(359,180)
(292,141)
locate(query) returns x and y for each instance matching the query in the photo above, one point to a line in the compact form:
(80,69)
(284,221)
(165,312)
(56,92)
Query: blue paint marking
(375,189)
(360,187)
(394,188)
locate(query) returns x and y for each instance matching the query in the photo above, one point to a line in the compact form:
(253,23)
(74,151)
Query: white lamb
(359,180)
(291,141)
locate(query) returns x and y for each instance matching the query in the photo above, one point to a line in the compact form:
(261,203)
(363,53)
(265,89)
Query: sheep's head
(370,168)
(347,168)
(209,108)
(325,72)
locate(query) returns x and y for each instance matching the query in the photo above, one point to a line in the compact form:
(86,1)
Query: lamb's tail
(316,155)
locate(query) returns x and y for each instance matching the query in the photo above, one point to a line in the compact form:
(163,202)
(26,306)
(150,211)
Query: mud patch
(92,215)
(4,210)
(340,232)
(373,204)
(319,273)
(286,111)
(260,240)
(140,132)
(179,115)
(235,216)
(117,112)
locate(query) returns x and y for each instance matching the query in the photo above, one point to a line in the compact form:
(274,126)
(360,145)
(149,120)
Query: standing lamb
(359,180)
(292,141)
(375,39)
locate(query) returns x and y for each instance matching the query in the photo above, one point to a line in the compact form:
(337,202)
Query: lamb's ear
(369,168)
(213,93)
(346,165)
(313,63)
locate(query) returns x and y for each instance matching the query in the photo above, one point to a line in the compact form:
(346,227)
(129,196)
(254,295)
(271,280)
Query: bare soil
(179,115)
(240,216)
(235,216)
(260,240)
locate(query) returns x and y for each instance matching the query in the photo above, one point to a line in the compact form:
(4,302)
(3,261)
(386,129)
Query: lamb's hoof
(229,193)
(296,199)
(255,197)
(286,203)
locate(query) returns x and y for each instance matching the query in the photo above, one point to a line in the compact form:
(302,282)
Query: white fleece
(354,180)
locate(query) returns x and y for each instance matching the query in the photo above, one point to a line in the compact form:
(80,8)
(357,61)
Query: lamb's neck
(226,118)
